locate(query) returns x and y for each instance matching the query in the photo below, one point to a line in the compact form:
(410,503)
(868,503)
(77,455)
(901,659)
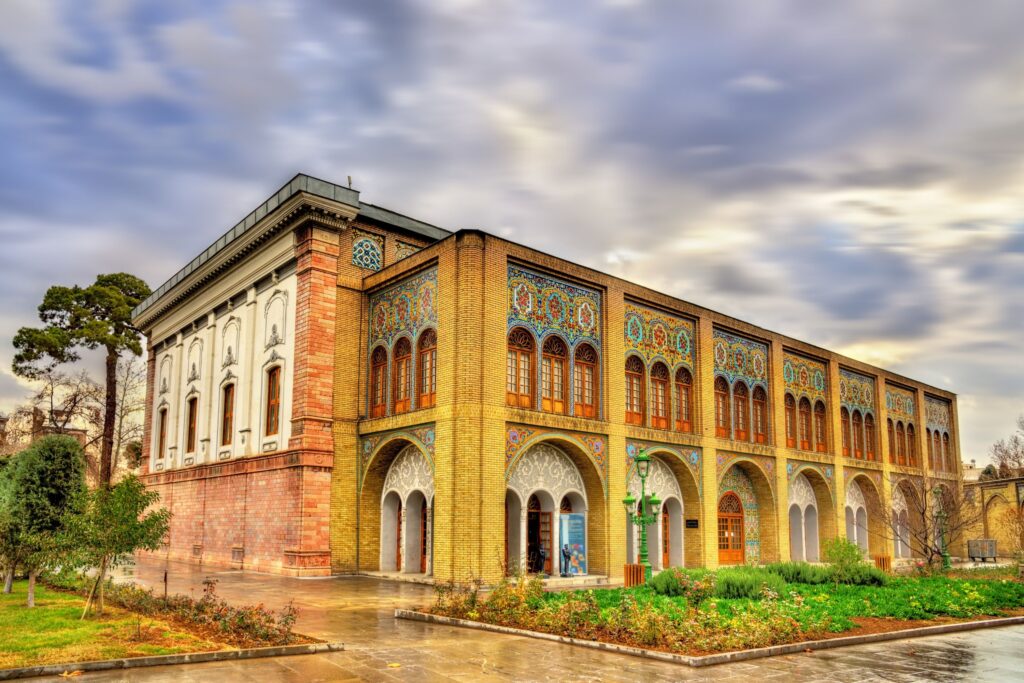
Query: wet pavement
(358,611)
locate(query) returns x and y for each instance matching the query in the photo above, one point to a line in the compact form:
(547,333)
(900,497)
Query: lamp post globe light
(647,513)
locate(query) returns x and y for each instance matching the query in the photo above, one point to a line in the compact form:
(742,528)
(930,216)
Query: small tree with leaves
(11,547)
(1008,454)
(112,525)
(95,317)
(48,480)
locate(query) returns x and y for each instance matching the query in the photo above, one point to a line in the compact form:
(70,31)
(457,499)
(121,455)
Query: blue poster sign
(572,532)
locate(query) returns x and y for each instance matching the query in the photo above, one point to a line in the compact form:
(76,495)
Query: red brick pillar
(316,251)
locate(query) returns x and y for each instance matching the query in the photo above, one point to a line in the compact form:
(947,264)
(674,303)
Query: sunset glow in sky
(850,174)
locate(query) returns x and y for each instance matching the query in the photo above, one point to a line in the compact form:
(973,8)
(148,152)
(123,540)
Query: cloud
(855,187)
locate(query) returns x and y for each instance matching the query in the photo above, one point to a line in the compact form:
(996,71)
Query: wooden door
(423,538)
(665,539)
(546,539)
(730,530)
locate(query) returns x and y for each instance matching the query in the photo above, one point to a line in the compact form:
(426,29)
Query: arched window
(659,396)
(427,397)
(378,382)
(227,414)
(634,391)
(684,400)
(939,460)
(722,421)
(820,431)
(519,369)
(161,439)
(931,448)
(805,424)
(584,381)
(760,415)
(273,411)
(869,436)
(892,442)
(400,376)
(901,444)
(552,375)
(947,454)
(790,421)
(844,419)
(192,406)
(858,435)
(911,446)
(741,401)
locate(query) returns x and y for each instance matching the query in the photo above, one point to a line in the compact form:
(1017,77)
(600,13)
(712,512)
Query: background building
(334,387)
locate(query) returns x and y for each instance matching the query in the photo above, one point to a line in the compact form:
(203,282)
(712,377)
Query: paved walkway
(358,611)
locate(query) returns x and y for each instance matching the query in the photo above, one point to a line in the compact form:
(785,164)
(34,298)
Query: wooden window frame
(759,400)
(820,415)
(635,391)
(870,440)
(723,409)
(519,368)
(845,426)
(901,444)
(427,370)
(553,369)
(741,416)
(892,441)
(227,414)
(804,423)
(790,404)
(857,420)
(911,445)
(661,401)
(401,376)
(272,413)
(585,381)
(161,439)
(684,400)
(192,423)
(378,382)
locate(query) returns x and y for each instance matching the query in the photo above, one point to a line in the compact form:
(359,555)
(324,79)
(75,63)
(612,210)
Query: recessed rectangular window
(273,401)
(227,419)
(193,414)
(161,442)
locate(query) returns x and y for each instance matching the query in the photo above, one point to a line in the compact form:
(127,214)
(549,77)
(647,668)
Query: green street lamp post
(940,517)
(648,509)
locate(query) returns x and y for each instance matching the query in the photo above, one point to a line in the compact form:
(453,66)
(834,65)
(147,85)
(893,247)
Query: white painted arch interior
(661,480)
(407,514)
(803,520)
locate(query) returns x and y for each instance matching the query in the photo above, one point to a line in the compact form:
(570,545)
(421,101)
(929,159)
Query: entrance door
(538,537)
(665,538)
(730,529)
(423,538)
(398,538)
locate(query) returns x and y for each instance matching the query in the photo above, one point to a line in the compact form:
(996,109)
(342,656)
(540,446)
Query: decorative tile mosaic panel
(691,456)
(403,249)
(724,461)
(367,250)
(937,414)
(804,377)
(736,481)
(543,304)
(856,391)
(422,437)
(518,438)
(794,467)
(659,335)
(899,403)
(406,307)
(740,358)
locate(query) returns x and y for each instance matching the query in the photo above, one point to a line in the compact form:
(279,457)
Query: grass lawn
(52,633)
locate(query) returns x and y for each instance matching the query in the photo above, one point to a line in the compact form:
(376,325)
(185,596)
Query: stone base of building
(267,513)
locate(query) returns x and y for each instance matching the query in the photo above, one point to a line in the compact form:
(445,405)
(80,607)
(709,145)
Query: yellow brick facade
(471,423)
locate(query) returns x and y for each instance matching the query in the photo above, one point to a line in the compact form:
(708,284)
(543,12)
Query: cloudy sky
(846,173)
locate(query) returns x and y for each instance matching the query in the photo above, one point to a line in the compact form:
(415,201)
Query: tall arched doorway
(803,520)
(730,530)
(665,535)
(555,514)
(856,516)
(406,538)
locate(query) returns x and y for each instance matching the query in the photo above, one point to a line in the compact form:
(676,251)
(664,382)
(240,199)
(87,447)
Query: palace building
(338,388)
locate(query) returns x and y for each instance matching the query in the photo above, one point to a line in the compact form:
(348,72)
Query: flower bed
(701,612)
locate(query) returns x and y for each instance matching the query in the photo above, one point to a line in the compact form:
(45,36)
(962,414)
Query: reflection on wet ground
(359,612)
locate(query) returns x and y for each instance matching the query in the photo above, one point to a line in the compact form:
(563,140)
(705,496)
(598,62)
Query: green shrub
(842,556)
(800,572)
(694,585)
(865,574)
(747,582)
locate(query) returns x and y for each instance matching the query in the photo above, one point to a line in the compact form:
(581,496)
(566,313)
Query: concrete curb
(725,657)
(163,660)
